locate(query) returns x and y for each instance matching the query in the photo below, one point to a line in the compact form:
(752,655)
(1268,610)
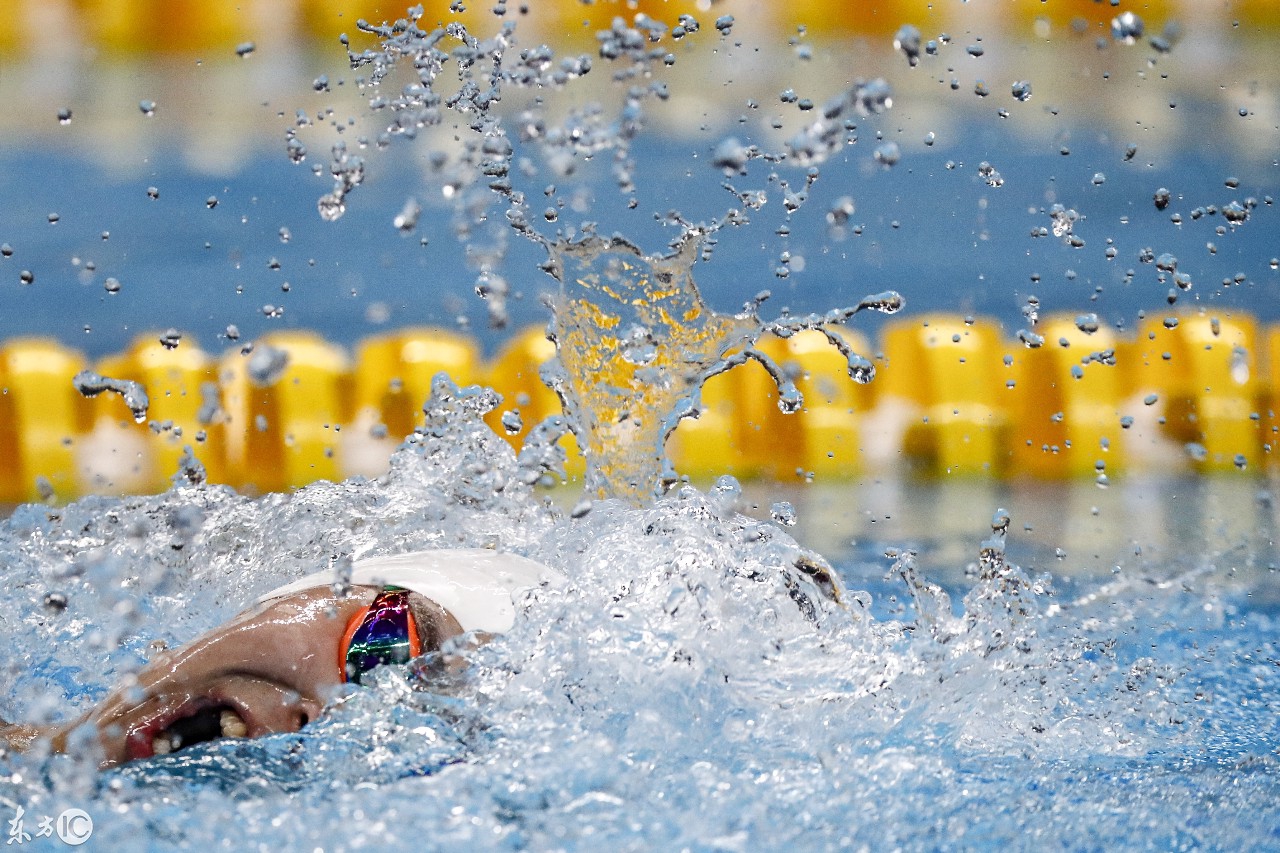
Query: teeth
(160,745)
(232,724)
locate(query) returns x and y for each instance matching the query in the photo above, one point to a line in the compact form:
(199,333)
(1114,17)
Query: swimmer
(273,668)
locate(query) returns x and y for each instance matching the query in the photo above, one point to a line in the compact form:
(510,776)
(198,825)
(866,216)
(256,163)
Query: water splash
(616,301)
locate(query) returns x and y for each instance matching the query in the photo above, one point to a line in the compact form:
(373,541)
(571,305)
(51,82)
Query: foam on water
(681,691)
(691,687)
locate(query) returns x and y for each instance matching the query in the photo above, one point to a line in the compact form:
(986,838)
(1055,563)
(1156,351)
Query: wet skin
(274,665)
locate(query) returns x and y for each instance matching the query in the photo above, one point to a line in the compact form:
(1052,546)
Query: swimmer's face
(269,670)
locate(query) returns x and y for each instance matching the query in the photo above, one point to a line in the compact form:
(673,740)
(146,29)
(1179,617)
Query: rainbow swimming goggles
(477,586)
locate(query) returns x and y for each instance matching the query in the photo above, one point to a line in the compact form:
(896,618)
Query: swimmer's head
(273,668)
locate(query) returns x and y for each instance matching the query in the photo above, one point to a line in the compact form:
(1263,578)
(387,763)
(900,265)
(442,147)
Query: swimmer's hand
(18,736)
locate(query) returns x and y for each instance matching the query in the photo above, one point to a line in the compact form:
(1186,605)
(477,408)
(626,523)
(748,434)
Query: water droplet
(724,24)
(1166,263)
(1162,198)
(1241,461)
(55,602)
(64,115)
(170,339)
(92,384)
(407,219)
(980,89)
(1126,422)
(512,422)
(1150,399)
(1030,339)
(783,513)
(153,193)
(245,48)
(975,50)
(1126,28)
(888,154)
(1198,452)
(111,285)
(27,277)
(907,40)
(266,365)
(1234,212)
(7,251)
(841,210)
(211,202)
(331,207)
(232,333)
(929,138)
(1099,179)
(989,174)
(54,218)
(1021,90)
(148,108)
(1087,323)
(1130,151)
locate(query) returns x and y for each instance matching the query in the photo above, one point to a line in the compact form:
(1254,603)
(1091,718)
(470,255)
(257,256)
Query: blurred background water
(931,226)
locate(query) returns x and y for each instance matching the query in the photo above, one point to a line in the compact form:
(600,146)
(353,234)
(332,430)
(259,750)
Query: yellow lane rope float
(953,397)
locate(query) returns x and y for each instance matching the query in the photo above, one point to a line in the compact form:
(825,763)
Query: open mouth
(204,725)
(201,722)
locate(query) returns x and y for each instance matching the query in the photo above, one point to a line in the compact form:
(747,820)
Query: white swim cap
(477,586)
